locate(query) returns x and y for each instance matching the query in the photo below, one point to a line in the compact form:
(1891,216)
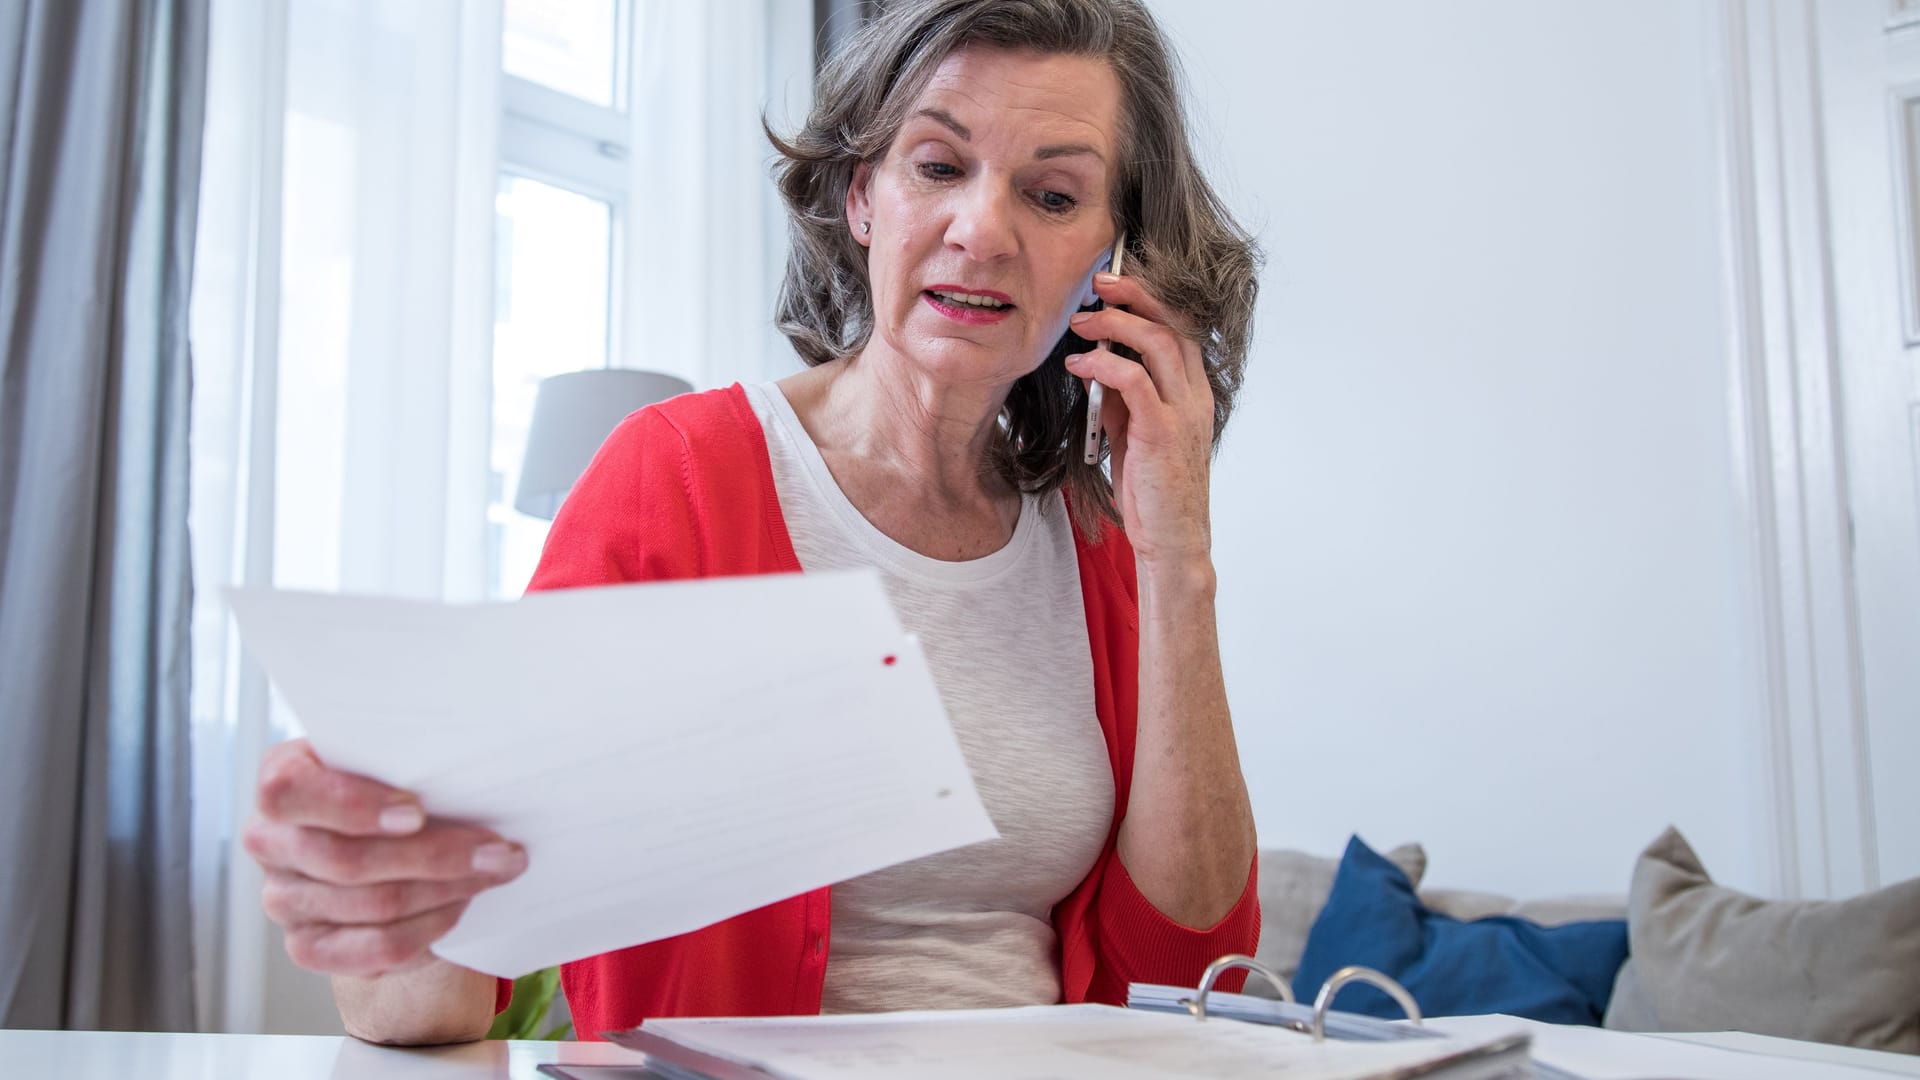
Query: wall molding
(1903,109)
(1786,420)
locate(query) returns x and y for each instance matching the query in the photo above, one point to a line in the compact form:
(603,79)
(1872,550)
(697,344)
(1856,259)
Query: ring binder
(1322,1002)
(1090,1040)
(1198,1007)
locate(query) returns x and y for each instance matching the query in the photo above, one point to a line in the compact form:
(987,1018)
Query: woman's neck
(911,453)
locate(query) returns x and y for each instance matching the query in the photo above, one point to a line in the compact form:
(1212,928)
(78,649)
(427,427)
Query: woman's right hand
(358,877)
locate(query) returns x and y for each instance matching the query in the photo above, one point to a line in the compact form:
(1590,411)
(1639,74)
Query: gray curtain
(100,116)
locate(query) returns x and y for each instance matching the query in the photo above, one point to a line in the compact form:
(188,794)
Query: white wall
(1484,580)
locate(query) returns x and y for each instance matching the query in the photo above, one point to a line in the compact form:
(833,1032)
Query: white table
(99,1055)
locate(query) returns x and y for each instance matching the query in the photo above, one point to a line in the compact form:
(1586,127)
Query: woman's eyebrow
(946,118)
(1068,150)
(1045,153)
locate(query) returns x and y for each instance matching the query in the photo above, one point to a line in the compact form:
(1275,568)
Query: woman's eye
(1056,201)
(938,170)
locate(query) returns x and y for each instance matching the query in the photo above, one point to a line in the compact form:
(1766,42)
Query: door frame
(1789,447)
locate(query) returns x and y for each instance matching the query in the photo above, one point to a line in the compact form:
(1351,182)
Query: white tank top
(1006,638)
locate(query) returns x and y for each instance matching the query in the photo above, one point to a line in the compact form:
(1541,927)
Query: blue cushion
(1560,974)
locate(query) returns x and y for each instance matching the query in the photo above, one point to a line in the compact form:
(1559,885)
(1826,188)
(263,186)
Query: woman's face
(990,211)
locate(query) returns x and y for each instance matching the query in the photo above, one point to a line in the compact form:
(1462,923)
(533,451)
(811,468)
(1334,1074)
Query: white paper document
(670,754)
(1046,1042)
(1599,1054)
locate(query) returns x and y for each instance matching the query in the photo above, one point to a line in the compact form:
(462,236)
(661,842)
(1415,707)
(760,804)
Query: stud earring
(866,227)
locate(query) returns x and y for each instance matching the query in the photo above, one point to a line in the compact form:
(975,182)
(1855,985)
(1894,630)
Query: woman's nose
(982,223)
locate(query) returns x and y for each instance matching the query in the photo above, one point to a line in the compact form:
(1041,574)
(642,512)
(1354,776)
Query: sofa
(1699,956)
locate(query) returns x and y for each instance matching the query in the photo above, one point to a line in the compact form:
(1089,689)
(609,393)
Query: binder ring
(1198,1006)
(1324,1000)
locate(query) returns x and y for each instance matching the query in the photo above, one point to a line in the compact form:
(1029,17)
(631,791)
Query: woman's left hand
(1159,425)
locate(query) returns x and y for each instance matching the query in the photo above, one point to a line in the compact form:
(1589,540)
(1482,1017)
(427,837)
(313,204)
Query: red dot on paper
(889,661)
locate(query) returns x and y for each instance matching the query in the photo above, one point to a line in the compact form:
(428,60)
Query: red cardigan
(684,490)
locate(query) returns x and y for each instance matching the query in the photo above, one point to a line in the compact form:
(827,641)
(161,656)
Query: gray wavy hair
(1181,240)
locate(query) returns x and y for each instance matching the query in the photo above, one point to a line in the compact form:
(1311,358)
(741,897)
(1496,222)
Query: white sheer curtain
(342,326)
(704,277)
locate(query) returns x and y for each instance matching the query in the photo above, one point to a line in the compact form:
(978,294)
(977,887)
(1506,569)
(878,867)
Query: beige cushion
(1293,888)
(1466,905)
(1708,958)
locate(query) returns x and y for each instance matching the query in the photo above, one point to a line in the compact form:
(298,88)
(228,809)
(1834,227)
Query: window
(571,46)
(560,207)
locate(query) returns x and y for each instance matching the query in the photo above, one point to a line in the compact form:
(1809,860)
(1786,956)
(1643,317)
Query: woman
(966,169)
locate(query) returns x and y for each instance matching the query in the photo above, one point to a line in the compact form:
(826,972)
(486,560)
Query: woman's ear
(860,205)
(1088,297)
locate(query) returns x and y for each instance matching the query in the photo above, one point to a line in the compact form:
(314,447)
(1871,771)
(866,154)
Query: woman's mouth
(968,306)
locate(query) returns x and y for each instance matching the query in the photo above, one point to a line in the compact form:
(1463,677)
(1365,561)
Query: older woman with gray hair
(966,170)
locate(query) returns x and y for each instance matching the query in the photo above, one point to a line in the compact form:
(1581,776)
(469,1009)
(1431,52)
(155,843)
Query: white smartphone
(1096,392)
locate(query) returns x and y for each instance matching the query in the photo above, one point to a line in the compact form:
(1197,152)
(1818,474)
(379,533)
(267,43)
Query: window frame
(554,138)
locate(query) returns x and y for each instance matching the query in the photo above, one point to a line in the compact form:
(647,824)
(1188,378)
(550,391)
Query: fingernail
(401,818)
(498,859)
(1080,317)
(1105,278)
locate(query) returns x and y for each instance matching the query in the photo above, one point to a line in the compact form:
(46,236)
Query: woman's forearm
(437,1002)
(1188,837)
